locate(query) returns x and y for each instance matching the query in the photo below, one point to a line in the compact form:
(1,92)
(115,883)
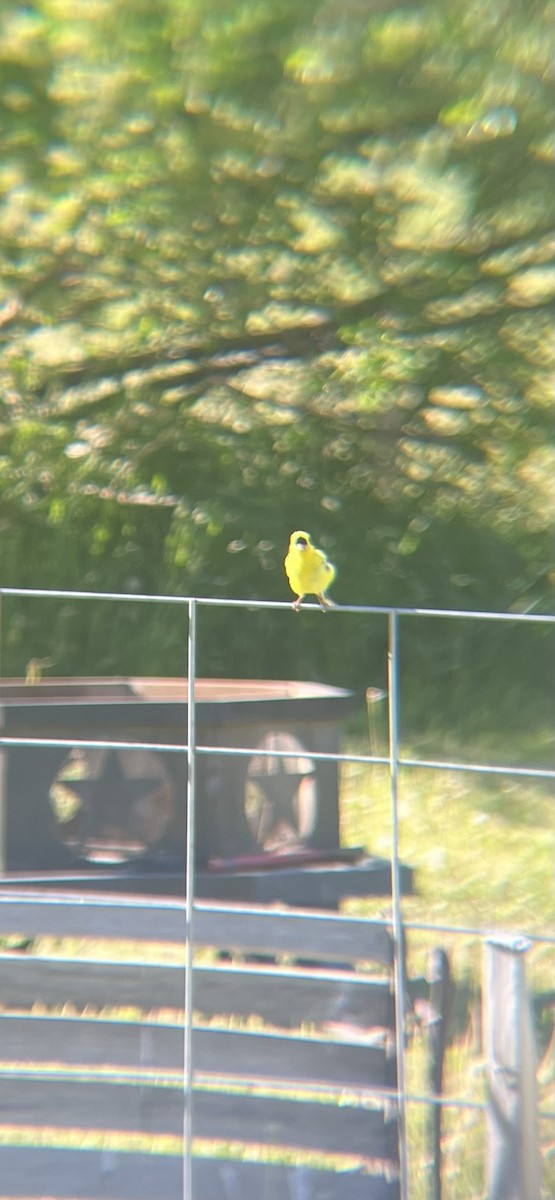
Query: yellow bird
(308,570)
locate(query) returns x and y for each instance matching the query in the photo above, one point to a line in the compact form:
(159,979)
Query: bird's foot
(325,603)
(296,605)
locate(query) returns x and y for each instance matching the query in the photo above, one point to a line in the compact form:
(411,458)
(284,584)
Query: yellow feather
(308,569)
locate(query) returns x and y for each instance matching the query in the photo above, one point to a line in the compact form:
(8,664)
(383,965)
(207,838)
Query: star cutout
(278,813)
(108,808)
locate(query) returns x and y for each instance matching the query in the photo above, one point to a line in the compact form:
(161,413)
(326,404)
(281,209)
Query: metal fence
(393,760)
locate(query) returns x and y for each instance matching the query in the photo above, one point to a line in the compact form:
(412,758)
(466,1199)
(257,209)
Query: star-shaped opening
(280,796)
(112,805)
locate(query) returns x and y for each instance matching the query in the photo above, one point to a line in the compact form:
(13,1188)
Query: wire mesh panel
(416,774)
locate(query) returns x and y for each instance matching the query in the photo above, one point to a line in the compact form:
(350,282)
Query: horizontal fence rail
(187,920)
(252,605)
(259,752)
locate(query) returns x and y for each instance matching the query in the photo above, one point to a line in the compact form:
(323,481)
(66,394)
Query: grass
(483,853)
(482,848)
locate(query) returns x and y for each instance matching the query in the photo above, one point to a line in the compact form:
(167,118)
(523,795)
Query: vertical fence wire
(398,936)
(189,902)
(3,769)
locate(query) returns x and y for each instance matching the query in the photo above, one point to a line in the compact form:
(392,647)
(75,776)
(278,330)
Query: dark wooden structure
(293,1053)
(267,828)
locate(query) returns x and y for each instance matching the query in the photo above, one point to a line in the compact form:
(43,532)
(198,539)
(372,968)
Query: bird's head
(299,540)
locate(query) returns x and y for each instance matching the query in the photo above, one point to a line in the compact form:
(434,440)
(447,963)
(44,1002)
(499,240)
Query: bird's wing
(323,566)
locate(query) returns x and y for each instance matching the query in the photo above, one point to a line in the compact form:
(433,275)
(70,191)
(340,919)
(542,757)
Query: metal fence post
(513,1156)
(3,772)
(189,902)
(3,798)
(400,1000)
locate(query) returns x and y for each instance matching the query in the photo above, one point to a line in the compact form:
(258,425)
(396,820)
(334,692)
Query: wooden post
(513,1134)
(439,978)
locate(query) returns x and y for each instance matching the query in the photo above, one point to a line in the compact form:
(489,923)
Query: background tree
(265,267)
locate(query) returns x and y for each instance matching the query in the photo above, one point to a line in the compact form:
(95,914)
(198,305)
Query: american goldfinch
(308,570)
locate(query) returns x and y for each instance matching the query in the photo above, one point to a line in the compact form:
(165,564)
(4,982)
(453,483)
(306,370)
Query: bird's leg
(323,601)
(296,606)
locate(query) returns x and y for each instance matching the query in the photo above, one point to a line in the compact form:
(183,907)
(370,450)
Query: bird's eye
(302,542)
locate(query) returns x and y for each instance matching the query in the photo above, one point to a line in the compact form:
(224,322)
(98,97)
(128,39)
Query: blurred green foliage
(268,266)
